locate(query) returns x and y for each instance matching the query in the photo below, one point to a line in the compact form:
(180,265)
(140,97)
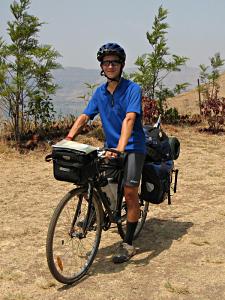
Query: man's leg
(133,170)
(133,212)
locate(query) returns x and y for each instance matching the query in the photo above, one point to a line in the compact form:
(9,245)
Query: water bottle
(111,191)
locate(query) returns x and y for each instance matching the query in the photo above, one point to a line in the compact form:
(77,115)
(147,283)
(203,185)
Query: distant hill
(188,103)
(72,79)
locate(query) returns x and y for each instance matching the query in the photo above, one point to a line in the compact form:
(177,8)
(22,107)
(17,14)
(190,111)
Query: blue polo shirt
(113,109)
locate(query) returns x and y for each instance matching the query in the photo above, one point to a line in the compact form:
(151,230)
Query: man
(118,102)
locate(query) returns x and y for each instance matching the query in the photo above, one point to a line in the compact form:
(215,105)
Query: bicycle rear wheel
(143,214)
(73,236)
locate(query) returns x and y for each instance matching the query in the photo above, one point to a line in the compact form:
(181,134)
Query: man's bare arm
(127,128)
(77,126)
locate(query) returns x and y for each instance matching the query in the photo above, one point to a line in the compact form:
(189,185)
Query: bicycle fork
(85,224)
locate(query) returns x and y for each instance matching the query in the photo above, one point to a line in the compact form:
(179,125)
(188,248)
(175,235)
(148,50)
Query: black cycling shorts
(133,168)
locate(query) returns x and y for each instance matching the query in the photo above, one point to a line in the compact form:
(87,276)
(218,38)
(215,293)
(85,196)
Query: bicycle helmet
(111,48)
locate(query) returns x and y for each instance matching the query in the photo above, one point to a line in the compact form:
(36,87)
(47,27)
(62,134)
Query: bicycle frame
(109,215)
(113,215)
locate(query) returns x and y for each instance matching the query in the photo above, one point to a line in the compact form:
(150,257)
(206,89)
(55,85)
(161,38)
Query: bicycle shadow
(156,237)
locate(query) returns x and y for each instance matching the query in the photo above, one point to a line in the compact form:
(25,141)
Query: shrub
(150,110)
(171,116)
(213,110)
(97,133)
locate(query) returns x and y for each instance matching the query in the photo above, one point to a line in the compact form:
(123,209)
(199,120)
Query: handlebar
(102,152)
(101,155)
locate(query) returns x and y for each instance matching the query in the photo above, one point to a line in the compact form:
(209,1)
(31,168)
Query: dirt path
(181,249)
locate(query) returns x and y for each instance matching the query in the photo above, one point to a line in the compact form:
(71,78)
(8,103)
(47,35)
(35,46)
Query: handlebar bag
(73,162)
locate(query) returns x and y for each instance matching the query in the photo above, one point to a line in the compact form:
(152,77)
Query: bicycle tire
(70,257)
(143,214)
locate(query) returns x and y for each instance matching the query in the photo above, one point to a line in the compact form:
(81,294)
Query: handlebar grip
(113,150)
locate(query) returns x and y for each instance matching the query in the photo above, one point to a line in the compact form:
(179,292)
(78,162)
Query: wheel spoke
(70,252)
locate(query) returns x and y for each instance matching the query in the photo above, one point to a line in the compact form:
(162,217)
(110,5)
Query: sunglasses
(113,63)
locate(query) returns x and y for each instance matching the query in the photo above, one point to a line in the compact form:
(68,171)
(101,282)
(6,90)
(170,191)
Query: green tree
(90,90)
(154,67)
(26,81)
(209,76)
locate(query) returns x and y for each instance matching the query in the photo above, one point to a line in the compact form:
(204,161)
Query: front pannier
(73,165)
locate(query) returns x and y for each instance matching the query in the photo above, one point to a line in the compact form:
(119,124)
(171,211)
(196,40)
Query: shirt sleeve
(135,98)
(92,108)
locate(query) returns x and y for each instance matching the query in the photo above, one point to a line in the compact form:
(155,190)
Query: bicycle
(75,229)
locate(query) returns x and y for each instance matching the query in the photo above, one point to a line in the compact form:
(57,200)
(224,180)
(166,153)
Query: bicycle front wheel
(143,214)
(73,236)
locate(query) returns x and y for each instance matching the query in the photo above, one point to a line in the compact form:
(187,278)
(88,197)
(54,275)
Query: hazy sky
(77,28)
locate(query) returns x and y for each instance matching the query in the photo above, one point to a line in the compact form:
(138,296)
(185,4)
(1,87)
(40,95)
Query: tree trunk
(17,120)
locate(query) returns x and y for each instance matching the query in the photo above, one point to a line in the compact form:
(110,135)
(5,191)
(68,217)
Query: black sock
(131,226)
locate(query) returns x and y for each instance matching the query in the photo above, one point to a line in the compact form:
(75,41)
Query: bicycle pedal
(106,224)
(78,235)
(117,219)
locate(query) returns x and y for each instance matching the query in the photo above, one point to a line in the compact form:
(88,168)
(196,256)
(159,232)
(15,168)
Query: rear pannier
(156,181)
(73,162)
(159,175)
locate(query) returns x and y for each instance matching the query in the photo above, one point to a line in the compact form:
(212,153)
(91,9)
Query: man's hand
(110,154)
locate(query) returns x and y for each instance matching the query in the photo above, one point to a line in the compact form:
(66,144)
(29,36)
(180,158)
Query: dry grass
(44,283)
(175,289)
(181,248)
(188,103)
(15,296)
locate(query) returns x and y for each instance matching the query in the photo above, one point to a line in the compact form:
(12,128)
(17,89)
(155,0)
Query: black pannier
(158,167)
(156,181)
(73,165)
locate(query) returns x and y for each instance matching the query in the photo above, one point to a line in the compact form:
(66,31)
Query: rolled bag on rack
(174,146)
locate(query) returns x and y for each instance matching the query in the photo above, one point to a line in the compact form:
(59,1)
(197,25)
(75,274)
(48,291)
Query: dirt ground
(181,251)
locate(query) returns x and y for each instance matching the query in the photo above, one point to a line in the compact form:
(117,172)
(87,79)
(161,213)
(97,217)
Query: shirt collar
(121,87)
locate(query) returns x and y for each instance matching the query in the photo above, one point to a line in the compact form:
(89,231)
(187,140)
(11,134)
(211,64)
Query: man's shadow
(156,237)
